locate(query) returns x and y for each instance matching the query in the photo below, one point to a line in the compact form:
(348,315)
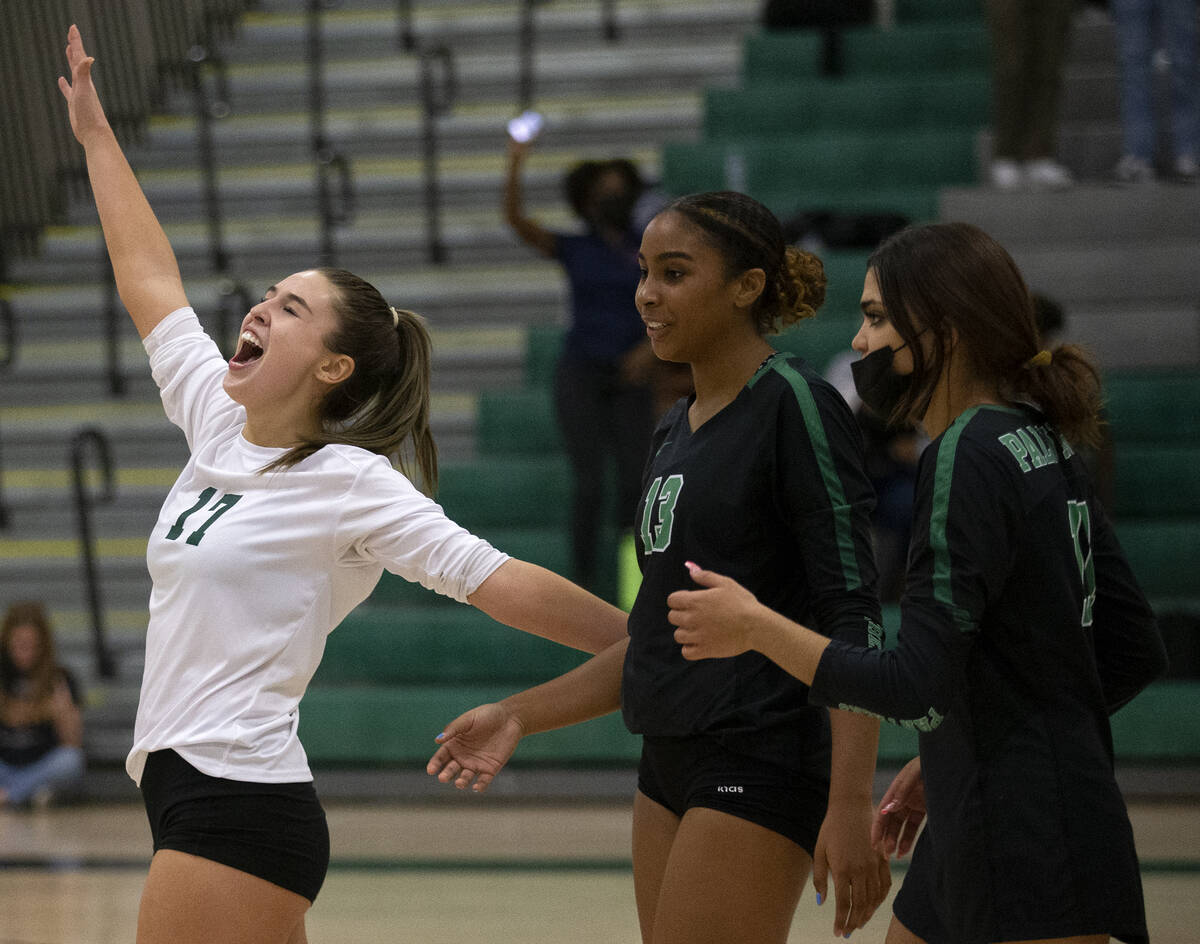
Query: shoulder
(973,454)
(801,392)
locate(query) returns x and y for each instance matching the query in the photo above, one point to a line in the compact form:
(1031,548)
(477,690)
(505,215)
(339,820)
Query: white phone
(526,126)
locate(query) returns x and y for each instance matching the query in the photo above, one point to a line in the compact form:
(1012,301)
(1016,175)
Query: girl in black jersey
(1022,626)
(738,797)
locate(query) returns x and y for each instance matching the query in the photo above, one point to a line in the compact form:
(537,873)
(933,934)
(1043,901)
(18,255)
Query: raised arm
(147,273)
(530,231)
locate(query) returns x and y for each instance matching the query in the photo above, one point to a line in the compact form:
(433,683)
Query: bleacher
(899,129)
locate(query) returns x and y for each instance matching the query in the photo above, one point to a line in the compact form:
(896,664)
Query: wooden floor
(494,873)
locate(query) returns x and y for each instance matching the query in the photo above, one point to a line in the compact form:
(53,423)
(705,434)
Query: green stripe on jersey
(943,576)
(829,475)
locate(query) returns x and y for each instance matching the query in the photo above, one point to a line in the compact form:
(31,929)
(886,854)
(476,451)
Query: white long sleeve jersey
(252,570)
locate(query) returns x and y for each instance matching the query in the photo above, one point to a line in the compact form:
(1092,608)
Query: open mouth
(248,349)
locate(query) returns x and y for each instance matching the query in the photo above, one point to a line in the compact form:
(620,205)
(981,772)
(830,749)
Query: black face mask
(880,387)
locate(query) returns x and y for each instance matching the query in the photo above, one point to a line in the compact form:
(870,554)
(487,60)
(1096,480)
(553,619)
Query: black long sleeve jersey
(770,491)
(1022,628)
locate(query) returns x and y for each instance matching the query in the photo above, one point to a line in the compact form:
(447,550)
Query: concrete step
(526,293)
(491,76)
(465,359)
(1095,215)
(359,131)
(558,26)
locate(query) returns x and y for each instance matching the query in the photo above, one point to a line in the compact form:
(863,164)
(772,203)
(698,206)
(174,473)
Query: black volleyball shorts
(276,831)
(684,772)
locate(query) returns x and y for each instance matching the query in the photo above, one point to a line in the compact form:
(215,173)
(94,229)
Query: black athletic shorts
(684,772)
(276,831)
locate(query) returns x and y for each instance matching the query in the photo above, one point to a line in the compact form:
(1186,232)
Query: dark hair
(944,277)
(45,671)
(748,236)
(383,406)
(581,179)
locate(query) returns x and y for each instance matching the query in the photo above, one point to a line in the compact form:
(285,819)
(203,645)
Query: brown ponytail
(383,406)
(1067,389)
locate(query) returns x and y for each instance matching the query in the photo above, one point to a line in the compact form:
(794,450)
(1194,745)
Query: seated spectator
(41,728)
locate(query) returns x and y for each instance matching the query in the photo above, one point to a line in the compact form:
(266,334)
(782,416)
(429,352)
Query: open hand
(844,851)
(475,746)
(83,104)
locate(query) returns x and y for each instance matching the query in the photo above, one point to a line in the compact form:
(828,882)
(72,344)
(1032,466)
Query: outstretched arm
(539,601)
(147,274)
(476,745)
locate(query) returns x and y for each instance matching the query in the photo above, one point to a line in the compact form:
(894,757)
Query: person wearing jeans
(1141,27)
(1029,44)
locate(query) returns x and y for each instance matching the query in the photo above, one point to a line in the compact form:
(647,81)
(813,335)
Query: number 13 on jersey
(660,504)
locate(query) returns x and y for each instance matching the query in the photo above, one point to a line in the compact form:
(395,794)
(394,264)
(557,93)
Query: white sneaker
(1187,169)
(1006,175)
(1134,170)
(1046,174)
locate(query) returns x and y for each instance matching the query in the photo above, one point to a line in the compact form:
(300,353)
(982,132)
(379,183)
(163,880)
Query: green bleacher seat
(785,55)
(517,422)
(1154,406)
(1153,480)
(1163,553)
(834,160)
(344,726)
(435,644)
(542,345)
(506,491)
(817,340)
(958,100)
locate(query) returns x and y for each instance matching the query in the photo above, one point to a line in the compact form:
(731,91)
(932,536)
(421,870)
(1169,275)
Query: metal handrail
(8,324)
(9,321)
(527,43)
(436,100)
(325,157)
(89,437)
(407,37)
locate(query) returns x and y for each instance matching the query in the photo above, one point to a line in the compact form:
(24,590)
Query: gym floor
(462,868)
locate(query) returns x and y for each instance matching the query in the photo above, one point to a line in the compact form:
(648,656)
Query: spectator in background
(41,728)
(1029,43)
(604,380)
(1139,25)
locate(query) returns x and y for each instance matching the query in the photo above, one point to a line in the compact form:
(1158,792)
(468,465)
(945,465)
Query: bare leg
(190,900)
(728,879)
(899,934)
(654,828)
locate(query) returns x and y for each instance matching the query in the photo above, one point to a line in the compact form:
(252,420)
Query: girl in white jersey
(281,522)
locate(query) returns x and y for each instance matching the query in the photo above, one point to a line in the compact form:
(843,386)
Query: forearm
(147,273)
(855,745)
(536,600)
(589,691)
(792,647)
